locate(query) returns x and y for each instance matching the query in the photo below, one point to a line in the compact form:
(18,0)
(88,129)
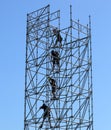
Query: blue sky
(12,55)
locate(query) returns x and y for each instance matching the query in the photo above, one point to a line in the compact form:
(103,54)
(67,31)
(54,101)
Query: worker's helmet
(52,52)
(49,78)
(54,31)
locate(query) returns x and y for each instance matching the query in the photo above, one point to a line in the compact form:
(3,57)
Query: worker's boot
(41,126)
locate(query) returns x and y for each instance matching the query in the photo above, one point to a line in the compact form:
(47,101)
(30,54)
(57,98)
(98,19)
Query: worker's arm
(41,107)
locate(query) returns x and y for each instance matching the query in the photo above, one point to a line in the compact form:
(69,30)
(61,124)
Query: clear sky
(12,55)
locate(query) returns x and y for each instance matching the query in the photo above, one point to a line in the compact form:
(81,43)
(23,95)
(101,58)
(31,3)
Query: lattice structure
(61,81)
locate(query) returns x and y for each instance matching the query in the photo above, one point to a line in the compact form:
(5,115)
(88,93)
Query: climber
(46,114)
(58,37)
(55,58)
(53,85)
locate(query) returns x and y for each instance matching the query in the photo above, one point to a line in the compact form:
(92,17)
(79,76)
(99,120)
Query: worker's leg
(54,91)
(58,64)
(49,120)
(54,96)
(42,123)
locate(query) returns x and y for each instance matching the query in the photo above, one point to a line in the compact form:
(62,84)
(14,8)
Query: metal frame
(73,110)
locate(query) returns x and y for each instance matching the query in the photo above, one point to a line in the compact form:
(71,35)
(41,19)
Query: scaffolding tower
(61,81)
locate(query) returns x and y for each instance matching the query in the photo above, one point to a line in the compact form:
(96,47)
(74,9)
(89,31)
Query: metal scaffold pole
(58,73)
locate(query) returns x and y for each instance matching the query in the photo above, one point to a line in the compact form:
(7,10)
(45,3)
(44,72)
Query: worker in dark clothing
(53,85)
(58,36)
(46,114)
(55,58)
